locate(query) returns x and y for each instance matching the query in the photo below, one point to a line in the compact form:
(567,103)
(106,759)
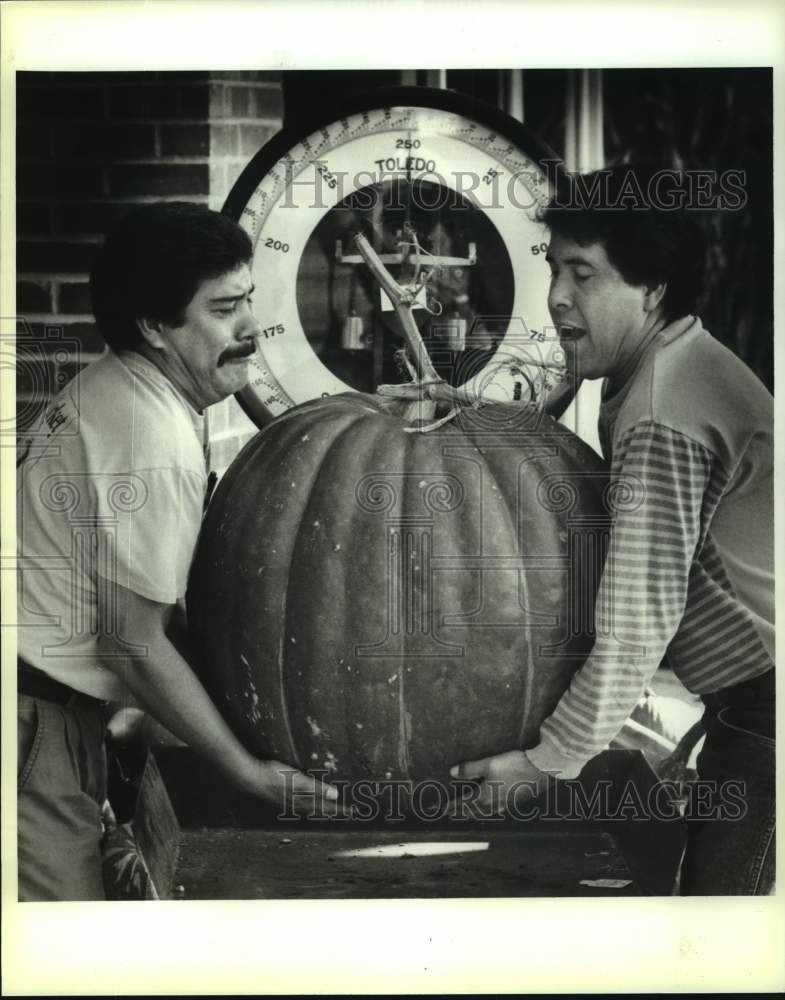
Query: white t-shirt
(114,493)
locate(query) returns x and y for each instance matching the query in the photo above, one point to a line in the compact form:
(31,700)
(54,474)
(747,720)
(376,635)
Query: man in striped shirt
(688,430)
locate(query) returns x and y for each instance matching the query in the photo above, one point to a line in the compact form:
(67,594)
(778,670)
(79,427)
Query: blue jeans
(733,855)
(61,786)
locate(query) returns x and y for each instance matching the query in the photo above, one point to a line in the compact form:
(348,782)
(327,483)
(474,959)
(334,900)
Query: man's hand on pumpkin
(292,791)
(505,780)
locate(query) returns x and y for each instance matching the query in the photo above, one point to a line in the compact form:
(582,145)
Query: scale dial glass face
(450,205)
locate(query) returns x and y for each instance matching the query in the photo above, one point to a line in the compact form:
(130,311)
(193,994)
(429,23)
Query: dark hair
(153,262)
(641,216)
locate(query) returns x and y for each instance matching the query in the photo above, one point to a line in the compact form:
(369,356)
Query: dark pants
(61,787)
(731,852)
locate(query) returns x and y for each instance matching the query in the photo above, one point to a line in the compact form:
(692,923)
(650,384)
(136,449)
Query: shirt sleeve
(658,481)
(151,521)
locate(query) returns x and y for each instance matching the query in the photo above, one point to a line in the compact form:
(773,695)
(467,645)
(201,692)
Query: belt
(37,684)
(753,691)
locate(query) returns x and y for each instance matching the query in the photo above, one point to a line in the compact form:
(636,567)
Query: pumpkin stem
(424,428)
(416,401)
(402,302)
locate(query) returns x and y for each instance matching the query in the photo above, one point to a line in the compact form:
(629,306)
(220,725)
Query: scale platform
(200,840)
(421,864)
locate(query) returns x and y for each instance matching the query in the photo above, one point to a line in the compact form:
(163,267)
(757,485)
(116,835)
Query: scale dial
(447,190)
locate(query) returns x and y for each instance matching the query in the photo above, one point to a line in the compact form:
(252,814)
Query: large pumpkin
(379,604)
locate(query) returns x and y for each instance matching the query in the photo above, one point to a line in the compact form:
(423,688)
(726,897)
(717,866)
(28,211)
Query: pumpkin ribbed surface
(377,604)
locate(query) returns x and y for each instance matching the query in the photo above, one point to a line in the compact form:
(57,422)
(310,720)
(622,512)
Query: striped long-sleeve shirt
(689,572)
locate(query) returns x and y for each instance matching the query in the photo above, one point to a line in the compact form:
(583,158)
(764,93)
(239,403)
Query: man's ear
(654,296)
(152,331)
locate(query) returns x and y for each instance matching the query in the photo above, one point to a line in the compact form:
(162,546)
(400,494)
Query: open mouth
(570,333)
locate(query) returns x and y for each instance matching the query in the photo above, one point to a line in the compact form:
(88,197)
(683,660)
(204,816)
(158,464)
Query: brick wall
(89,147)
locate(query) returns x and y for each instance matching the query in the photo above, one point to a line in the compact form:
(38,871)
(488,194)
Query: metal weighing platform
(200,840)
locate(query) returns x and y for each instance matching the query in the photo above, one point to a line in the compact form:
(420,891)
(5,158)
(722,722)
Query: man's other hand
(506,780)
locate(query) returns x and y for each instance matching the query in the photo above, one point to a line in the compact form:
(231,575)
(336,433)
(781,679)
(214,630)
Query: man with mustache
(109,507)
(688,431)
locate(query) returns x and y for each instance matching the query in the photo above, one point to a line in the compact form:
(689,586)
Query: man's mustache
(232,354)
